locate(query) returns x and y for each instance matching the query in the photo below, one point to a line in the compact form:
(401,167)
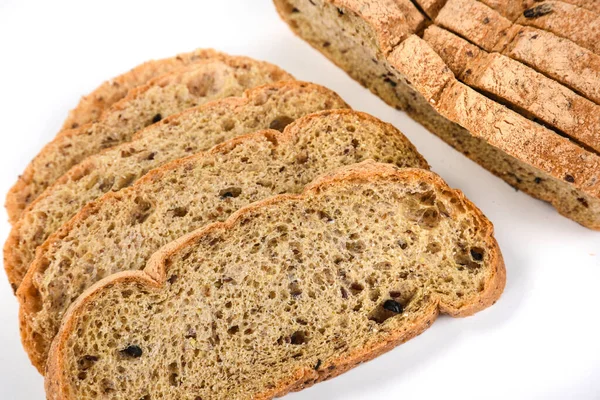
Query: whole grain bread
(180,135)
(91,106)
(286,293)
(519,87)
(510,142)
(122,229)
(168,94)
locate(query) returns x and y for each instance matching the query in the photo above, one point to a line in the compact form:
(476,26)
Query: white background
(540,341)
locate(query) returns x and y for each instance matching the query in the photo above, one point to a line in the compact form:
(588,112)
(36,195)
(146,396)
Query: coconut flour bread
(183,88)
(287,292)
(91,106)
(513,84)
(122,229)
(197,129)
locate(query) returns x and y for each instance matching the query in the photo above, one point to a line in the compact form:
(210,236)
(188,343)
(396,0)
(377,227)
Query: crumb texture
(121,230)
(186,87)
(198,129)
(288,292)
(512,84)
(91,106)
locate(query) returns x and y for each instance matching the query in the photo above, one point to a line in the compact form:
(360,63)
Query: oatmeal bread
(168,94)
(285,293)
(180,135)
(120,230)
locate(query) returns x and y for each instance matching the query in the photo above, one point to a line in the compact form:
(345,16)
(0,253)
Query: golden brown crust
(565,20)
(466,18)
(392,20)
(154,275)
(558,58)
(32,182)
(519,86)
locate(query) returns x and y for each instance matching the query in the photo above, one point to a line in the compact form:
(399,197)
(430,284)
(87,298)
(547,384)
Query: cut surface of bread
(121,230)
(181,135)
(91,106)
(287,292)
(521,101)
(165,95)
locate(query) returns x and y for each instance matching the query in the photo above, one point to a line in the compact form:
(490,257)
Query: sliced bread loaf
(510,142)
(186,87)
(287,292)
(121,230)
(91,106)
(519,87)
(197,129)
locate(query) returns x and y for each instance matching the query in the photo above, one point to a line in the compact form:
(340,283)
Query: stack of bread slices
(513,84)
(207,227)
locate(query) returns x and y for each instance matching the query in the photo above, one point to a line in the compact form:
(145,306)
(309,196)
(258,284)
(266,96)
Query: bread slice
(91,106)
(287,292)
(121,230)
(196,129)
(559,58)
(413,77)
(519,87)
(186,87)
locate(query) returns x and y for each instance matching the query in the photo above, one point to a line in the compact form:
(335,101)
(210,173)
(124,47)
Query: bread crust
(31,183)
(28,295)
(154,276)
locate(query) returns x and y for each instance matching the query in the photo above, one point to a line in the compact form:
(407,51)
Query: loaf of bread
(120,230)
(91,106)
(287,292)
(183,88)
(197,129)
(513,84)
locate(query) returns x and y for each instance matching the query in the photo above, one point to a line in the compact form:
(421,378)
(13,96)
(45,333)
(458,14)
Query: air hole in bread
(280,122)
(174,374)
(142,211)
(230,192)
(477,253)
(86,362)
(429,219)
(228,125)
(356,246)
(233,330)
(298,338)
(107,386)
(356,288)
(295,290)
